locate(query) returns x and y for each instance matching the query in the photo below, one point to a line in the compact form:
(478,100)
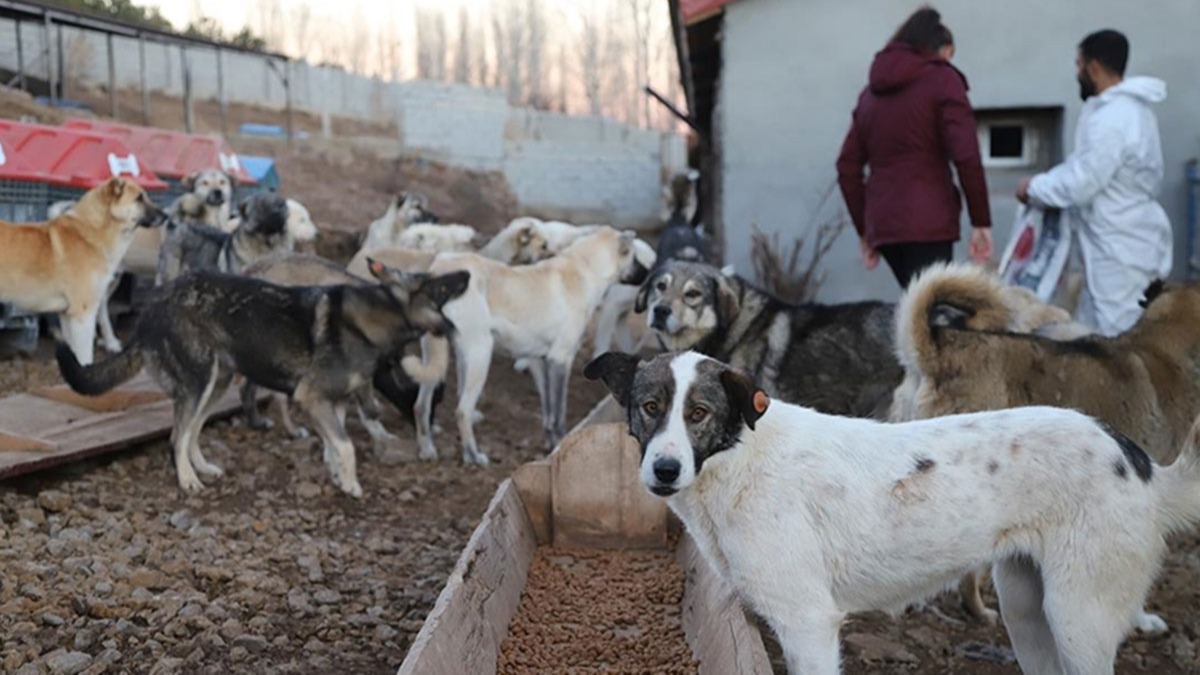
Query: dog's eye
(650,408)
(661,286)
(693,295)
(697,415)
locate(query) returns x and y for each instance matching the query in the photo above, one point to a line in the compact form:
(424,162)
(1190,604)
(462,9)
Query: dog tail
(432,369)
(1180,485)
(961,296)
(102,376)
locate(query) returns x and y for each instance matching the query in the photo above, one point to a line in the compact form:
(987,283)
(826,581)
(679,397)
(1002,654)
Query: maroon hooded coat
(911,122)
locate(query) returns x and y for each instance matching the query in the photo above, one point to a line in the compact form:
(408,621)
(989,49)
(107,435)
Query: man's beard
(1087,87)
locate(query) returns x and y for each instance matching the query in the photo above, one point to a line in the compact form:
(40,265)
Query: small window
(1007,141)
(1006,144)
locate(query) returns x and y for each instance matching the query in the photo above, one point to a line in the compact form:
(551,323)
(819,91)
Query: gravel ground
(108,567)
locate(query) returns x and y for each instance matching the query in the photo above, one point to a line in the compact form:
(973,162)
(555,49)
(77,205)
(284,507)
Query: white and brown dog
(812,517)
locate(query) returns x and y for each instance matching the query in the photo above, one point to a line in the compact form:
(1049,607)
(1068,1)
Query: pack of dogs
(827,459)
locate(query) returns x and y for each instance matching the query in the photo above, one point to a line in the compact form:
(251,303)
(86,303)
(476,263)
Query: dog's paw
(990,616)
(353,489)
(113,347)
(261,424)
(190,483)
(476,417)
(210,470)
(1148,623)
(476,457)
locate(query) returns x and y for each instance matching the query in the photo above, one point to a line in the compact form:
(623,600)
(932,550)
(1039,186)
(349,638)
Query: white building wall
(793,70)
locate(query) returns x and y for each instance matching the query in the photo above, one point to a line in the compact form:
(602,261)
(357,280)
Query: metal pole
(112,75)
(142,79)
(187,89)
(224,104)
(287,96)
(46,35)
(20,60)
(62,70)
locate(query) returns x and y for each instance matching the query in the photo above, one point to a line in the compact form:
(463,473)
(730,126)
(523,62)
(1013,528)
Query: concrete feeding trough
(586,494)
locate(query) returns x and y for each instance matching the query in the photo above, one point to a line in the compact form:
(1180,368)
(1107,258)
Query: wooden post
(142,79)
(221,100)
(187,89)
(287,97)
(112,75)
(326,121)
(47,29)
(20,60)
(62,65)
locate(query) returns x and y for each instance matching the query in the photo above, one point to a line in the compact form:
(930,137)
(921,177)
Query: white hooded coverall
(1112,180)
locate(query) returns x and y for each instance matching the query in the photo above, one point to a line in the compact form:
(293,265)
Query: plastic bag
(1038,250)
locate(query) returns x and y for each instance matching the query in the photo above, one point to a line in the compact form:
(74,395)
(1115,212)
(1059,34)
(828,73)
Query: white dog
(405,209)
(537,313)
(812,517)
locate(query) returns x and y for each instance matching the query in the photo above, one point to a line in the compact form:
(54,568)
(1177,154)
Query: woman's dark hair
(924,31)
(1107,47)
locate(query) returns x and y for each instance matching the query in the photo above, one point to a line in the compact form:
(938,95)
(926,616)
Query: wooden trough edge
(470,619)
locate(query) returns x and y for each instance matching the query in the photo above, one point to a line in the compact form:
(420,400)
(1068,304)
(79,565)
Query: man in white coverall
(1112,178)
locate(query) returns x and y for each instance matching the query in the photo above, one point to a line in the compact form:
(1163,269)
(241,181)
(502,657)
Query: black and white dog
(811,517)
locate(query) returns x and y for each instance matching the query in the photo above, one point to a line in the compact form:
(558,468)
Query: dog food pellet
(586,611)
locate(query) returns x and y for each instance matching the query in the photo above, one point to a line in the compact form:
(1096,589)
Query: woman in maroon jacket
(912,120)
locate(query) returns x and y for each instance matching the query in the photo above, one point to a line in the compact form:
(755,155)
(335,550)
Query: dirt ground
(106,564)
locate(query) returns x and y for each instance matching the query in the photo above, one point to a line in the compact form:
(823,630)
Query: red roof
(68,157)
(173,154)
(695,10)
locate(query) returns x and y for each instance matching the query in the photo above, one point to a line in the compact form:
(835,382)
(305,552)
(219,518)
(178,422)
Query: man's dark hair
(1107,47)
(924,31)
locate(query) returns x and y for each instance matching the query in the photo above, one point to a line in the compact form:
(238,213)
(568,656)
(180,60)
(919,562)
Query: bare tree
(615,66)
(590,57)
(564,76)
(535,50)
(431,44)
(640,14)
(462,56)
(269,16)
(301,27)
(359,45)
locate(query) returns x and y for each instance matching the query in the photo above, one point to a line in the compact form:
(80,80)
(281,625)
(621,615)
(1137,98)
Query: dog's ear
(946,315)
(378,270)
(617,371)
(744,396)
(1154,290)
(243,208)
(444,288)
(188,182)
(643,295)
(116,188)
(728,304)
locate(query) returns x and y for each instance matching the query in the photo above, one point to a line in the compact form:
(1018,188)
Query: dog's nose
(662,312)
(667,470)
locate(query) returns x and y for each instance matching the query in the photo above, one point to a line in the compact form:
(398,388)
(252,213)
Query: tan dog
(64,265)
(206,199)
(951,331)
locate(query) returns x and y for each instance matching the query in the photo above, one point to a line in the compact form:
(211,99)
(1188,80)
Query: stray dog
(437,238)
(835,358)
(811,517)
(261,232)
(407,208)
(392,378)
(321,345)
(533,312)
(680,240)
(206,199)
(300,225)
(64,266)
(1145,383)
